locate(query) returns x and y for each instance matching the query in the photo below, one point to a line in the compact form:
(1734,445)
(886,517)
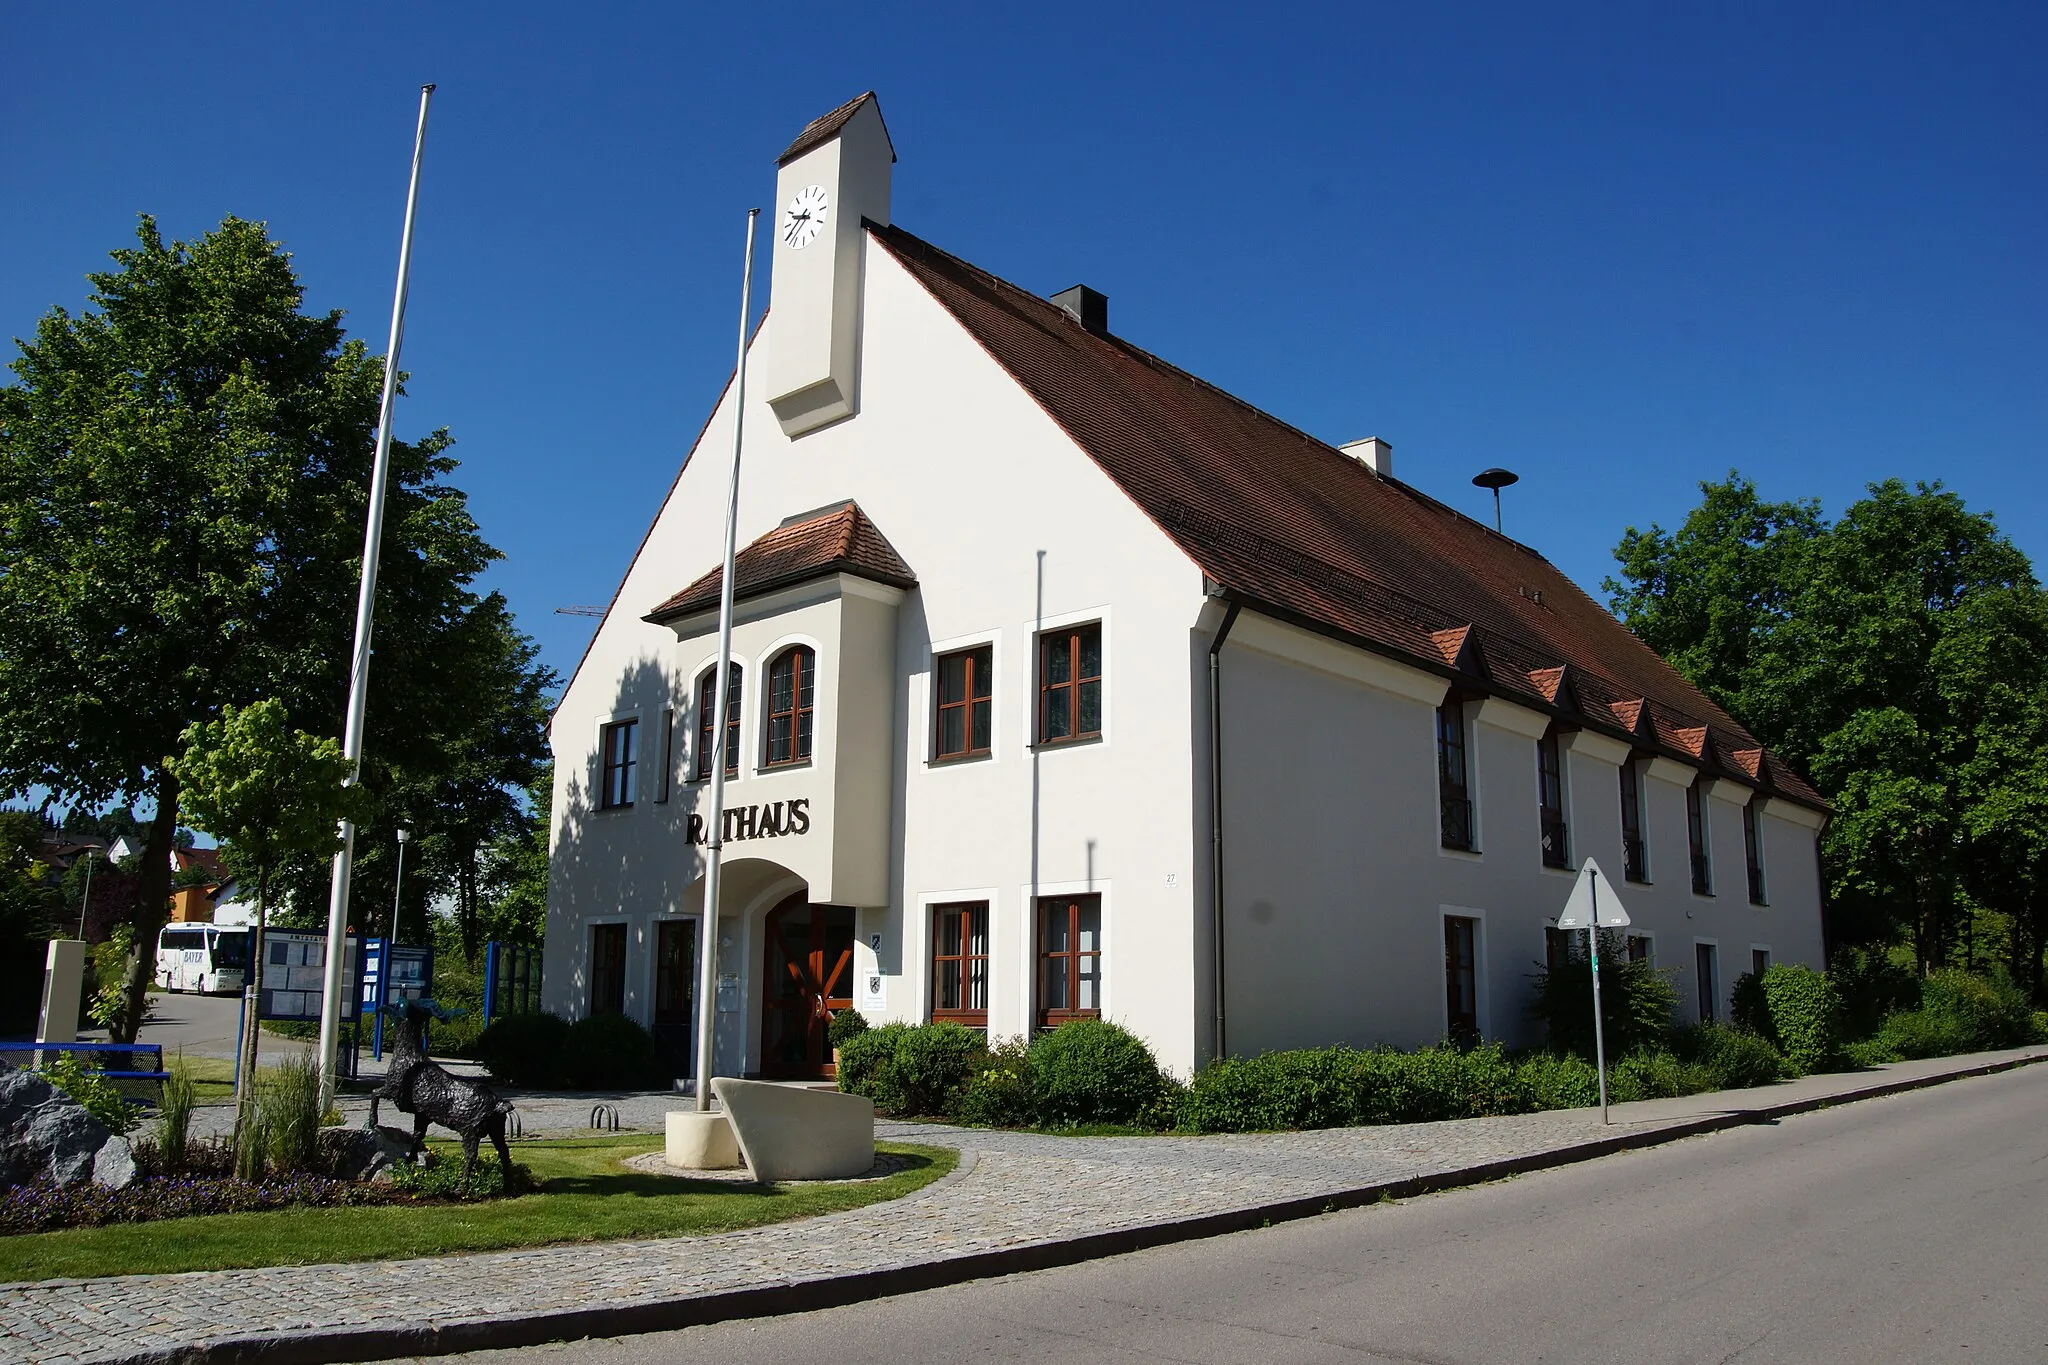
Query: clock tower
(834,175)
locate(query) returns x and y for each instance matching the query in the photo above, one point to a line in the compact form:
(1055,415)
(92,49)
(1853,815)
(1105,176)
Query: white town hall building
(1041,641)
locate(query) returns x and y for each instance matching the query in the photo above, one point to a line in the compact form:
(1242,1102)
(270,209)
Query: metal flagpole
(366,599)
(1599,1029)
(714,843)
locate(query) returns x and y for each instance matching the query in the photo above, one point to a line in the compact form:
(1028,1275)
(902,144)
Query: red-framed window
(966,680)
(707,701)
(792,689)
(1069,959)
(960,963)
(1070,684)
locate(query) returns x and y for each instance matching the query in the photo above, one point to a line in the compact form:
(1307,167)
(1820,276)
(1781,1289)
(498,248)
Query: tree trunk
(152,907)
(252,1002)
(465,900)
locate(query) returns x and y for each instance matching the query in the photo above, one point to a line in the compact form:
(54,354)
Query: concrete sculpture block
(789,1132)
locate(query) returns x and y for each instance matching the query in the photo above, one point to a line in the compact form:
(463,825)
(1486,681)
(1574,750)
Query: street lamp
(83,904)
(398,882)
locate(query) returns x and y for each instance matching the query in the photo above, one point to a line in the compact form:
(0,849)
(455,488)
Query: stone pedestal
(701,1142)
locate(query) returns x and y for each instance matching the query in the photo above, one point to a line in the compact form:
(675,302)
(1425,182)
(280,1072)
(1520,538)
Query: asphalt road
(1906,1229)
(204,1026)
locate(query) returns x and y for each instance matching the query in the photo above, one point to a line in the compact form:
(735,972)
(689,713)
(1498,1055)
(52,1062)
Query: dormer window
(707,701)
(1696,841)
(792,688)
(1550,798)
(1635,857)
(1454,792)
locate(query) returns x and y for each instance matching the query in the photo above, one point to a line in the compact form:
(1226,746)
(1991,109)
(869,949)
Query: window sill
(1566,871)
(1076,741)
(1640,881)
(770,769)
(620,809)
(975,1020)
(731,775)
(1463,855)
(955,760)
(1759,905)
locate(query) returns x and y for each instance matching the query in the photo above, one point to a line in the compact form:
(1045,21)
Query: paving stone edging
(337,1346)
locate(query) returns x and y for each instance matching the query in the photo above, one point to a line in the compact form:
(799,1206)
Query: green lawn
(585,1196)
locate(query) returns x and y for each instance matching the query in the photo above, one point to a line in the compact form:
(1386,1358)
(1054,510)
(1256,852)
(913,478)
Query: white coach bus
(201,957)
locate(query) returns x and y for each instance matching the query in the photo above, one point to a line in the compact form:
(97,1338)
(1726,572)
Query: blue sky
(1616,249)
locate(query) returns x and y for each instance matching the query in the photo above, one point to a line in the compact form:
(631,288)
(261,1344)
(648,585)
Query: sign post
(1583,909)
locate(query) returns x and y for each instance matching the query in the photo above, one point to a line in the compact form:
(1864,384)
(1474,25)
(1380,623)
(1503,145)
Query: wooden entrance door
(809,978)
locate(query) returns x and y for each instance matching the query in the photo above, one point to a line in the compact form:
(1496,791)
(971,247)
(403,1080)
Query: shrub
(843,1025)
(1636,999)
(1991,1012)
(998,1092)
(1551,1081)
(1735,1059)
(1797,1010)
(1091,1071)
(610,1052)
(1870,986)
(100,1096)
(174,1117)
(289,1098)
(910,1069)
(442,1179)
(523,1050)
(864,1056)
(1340,1086)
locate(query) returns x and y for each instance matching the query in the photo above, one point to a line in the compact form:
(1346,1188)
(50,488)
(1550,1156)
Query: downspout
(1216,810)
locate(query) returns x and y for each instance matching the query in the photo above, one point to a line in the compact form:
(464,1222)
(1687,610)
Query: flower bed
(43,1206)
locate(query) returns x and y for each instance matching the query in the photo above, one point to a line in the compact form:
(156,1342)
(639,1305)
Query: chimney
(1373,453)
(1086,307)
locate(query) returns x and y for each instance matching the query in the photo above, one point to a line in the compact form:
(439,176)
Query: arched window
(707,700)
(792,688)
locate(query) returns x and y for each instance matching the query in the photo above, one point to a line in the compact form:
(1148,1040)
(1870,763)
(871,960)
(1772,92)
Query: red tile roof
(820,130)
(836,539)
(1299,530)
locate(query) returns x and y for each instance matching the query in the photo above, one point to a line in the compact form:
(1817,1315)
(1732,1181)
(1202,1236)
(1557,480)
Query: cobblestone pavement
(1012,1189)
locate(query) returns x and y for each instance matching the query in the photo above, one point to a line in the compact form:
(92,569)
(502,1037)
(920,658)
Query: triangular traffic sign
(1579,910)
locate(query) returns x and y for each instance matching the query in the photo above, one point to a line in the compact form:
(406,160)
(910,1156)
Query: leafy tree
(267,792)
(1902,659)
(183,475)
(30,908)
(1709,595)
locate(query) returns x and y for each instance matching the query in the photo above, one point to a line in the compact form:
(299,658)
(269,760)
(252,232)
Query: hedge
(1797,1009)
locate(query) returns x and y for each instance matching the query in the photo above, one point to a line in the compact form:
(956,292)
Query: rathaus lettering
(759,822)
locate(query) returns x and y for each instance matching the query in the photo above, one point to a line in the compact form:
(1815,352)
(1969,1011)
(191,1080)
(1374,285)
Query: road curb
(329,1346)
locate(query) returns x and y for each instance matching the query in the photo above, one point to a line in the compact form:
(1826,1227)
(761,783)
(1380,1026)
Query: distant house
(192,902)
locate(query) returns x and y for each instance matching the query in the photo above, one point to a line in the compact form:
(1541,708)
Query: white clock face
(804,219)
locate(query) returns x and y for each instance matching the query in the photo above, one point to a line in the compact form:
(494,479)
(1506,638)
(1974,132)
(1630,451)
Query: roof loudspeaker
(1086,307)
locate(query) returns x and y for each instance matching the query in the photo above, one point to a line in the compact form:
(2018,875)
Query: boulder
(47,1135)
(362,1153)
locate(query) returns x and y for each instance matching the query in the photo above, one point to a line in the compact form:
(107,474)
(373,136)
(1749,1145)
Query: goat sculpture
(421,1087)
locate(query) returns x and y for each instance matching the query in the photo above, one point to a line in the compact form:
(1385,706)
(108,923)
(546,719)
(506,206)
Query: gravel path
(1011,1190)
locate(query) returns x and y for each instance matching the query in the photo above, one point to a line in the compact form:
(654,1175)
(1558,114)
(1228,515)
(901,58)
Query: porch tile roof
(1296,528)
(835,539)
